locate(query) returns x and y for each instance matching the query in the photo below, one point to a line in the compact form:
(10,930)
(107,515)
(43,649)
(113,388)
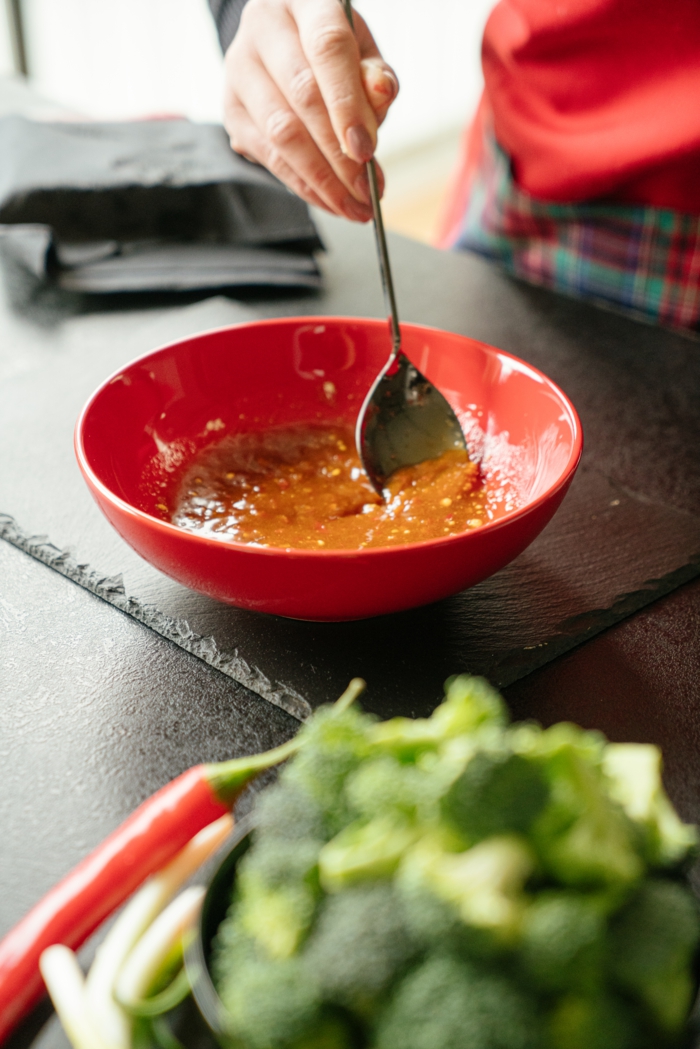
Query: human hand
(304,96)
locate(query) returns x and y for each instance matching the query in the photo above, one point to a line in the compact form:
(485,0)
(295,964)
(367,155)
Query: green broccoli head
(596,1021)
(634,774)
(276,861)
(277,892)
(284,811)
(651,944)
(447,1003)
(270,1004)
(434,923)
(563,942)
(498,793)
(364,851)
(458,883)
(485,884)
(470,703)
(385,785)
(332,744)
(583,836)
(359,946)
(277,889)
(332,1030)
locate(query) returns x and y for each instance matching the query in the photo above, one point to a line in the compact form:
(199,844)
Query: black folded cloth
(152,205)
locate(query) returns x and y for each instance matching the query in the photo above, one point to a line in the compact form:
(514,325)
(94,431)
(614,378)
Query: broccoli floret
(447,1003)
(652,941)
(430,920)
(277,890)
(563,936)
(232,949)
(274,862)
(498,793)
(284,811)
(457,883)
(599,1021)
(358,947)
(331,1031)
(583,837)
(434,923)
(270,1004)
(386,785)
(332,744)
(365,850)
(470,703)
(277,918)
(484,883)
(634,772)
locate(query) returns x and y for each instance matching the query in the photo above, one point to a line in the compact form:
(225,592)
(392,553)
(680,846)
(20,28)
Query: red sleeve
(598,98)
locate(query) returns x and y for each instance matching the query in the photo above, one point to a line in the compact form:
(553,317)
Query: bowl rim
(172,530)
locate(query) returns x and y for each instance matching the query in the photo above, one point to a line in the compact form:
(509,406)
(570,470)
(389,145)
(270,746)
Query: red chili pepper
(142,845)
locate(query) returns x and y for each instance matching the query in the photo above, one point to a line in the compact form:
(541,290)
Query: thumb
(380,83)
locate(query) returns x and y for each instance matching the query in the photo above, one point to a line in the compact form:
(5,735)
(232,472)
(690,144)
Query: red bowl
(146,421)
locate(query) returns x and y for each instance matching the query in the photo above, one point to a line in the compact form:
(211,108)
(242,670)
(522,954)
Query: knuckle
(303,89)
(283,129)
(342,98)
(328,42)
(325,180)
(275,164)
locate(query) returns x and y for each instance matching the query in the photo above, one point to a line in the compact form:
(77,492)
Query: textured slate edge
(111,589)
(504,670)
(580,628)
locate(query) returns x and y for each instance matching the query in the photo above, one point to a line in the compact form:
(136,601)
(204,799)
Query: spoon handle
(382,250)
(384,266)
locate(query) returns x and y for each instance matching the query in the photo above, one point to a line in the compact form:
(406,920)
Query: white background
(116,59)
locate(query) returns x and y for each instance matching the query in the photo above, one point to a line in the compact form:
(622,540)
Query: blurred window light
(116,60)
(7,59)
(435,48)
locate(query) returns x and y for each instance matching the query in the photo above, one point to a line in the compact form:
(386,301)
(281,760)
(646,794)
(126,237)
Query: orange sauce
(302,487)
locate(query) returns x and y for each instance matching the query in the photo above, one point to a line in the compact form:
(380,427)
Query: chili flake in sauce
(302,487)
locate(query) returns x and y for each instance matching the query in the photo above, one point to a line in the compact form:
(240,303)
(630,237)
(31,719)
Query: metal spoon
(404,419)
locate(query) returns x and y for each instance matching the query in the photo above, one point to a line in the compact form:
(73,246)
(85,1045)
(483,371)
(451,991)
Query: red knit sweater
(598,98)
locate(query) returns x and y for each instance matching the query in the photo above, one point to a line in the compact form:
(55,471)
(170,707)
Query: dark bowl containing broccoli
(198,956)
(455,882)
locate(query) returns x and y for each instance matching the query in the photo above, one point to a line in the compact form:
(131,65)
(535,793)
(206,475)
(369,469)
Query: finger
(247,140)
(284,61)
(381,85)
(333,53)
(288,142)
(379,80)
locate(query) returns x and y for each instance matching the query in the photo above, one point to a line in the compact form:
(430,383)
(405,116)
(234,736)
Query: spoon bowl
(404,419)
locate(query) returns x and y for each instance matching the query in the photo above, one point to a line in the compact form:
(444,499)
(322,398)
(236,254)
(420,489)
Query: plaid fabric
(642,258)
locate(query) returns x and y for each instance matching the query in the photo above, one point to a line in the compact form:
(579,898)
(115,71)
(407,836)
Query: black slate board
(95,716)
(628,531)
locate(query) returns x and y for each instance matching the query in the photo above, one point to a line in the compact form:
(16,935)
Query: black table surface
(114,678)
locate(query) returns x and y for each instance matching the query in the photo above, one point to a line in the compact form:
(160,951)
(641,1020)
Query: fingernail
(393,84)
(362,187)
(354,210)
(359,144)
(386,85)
